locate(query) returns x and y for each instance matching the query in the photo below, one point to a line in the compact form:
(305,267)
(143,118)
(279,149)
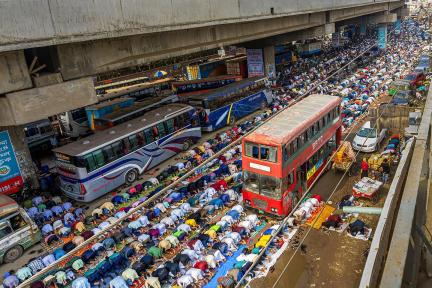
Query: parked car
(368,138)
(415,78)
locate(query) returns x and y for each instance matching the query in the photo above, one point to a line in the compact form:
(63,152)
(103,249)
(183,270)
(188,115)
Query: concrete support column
(269,61)
(14,73)
(22,152)
(382,36)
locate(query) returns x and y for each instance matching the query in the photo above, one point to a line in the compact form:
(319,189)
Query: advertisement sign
(211,69)
(382,37)
(255,62)
(335,39)
(193,72)
(363,29)
(397,25)
(10,175)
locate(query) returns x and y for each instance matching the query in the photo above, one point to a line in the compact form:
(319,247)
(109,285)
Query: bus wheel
(186,145)
(131,176)
(13,254)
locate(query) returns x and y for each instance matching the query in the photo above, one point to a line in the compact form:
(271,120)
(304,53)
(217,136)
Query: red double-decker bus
(284,156)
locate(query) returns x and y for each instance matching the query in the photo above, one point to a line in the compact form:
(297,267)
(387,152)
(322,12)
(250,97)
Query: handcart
(367,188)
(344,158)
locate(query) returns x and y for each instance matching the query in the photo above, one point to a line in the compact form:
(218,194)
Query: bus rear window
(262,152)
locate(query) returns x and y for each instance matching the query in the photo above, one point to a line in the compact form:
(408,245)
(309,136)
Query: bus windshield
(264,185)
(262,152)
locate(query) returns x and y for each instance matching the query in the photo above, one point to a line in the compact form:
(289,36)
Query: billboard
(382,37)
(10,174)
(255,62)
(397,27)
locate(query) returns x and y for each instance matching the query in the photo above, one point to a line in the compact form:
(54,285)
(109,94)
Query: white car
(368,139)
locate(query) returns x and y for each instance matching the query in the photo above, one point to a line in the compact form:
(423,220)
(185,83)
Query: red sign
(11,186)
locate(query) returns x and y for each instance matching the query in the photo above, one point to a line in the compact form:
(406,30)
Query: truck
(18,232)
(414,119)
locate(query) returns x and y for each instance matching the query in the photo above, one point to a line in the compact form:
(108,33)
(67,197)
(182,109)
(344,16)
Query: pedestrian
(385,167)
(364,166)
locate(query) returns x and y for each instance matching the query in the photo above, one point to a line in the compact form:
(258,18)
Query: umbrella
(160,73)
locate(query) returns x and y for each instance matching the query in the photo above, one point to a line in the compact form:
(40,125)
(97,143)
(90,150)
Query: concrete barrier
(381,239)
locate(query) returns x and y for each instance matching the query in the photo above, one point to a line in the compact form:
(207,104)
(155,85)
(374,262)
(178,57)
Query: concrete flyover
(88,37)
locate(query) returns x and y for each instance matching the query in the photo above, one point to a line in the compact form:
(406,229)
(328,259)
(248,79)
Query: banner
(335,39)
(382,37)
(255,62)
(397,26)
(193,72)
(362,29)
(10,175)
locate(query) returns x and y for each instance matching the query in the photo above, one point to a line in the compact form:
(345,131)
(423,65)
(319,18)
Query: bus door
(301,178)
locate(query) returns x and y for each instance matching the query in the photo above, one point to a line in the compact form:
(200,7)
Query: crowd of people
(185,238)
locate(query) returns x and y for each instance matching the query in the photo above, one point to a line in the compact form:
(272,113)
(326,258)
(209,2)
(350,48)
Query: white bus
(40,136)
(98,164)
(74,123)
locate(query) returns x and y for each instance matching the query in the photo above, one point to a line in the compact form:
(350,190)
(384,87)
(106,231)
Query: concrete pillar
(14,73)
(382,36)
(26,106)
(22,152)
(269,61)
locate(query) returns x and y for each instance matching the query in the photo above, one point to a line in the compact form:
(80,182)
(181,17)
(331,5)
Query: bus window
(291,178)
(268,153)
(149,135)
(45,129)
(161,129)
(270,186)
(5,229)
(108,153)
(140,139)
(287,152)
(133,142)
(179,122)
(126,146)
(118,149)
(99,158)
(251,181)
(316,128)
(90,162)
(170,125)
(252,150)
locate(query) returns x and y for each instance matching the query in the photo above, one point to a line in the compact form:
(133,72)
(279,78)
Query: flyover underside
(55,22)
(83,59)
(89,58)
